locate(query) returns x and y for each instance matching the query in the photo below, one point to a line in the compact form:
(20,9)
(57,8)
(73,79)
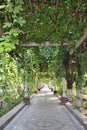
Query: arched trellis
(50,44)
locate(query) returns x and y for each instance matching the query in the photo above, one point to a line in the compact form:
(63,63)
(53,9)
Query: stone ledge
(78,115)
(5,119)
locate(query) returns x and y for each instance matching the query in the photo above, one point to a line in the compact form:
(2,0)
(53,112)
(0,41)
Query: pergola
(51,44)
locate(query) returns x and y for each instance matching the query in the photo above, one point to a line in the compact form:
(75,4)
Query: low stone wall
(78,115)
(4,120)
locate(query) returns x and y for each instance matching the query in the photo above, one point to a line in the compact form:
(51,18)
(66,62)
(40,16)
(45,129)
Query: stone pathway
(44,113)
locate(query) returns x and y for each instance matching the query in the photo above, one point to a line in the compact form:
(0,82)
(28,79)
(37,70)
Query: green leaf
(9,7)
(21,21)
(17,9)
(15,41)
(14,31)
(7,25)
(1,49)
(4,46)
(2,6)
(20,2)
(5,38)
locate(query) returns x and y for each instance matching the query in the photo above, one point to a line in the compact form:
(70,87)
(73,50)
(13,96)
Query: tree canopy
(39,21)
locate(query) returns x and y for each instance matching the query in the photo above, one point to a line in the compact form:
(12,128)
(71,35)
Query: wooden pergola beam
(79,43)
(33,44)
(51,44)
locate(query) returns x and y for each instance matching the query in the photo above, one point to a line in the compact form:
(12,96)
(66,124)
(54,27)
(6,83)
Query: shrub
(85,105)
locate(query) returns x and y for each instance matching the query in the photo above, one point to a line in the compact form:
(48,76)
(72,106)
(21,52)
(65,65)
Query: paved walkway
(44,113)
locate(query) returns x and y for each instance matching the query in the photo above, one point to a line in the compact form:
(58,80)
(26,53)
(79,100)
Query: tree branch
(79,43)
(57,2)
(30,6)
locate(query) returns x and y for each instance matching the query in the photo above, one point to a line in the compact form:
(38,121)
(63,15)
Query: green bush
(59,90)
(85,105)
(10,105)
(59,87)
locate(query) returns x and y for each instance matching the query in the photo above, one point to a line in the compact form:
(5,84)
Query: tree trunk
(69,90)
(64,87)
(26,89)
(69,95)
(78,97)
(1,32)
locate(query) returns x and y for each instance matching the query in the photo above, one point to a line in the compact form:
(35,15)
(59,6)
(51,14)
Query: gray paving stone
(44,113)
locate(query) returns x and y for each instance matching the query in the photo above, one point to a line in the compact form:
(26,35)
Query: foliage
(60,22)
(10,105)
(11,23)
(85,104)
(59,86)
(55,21)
